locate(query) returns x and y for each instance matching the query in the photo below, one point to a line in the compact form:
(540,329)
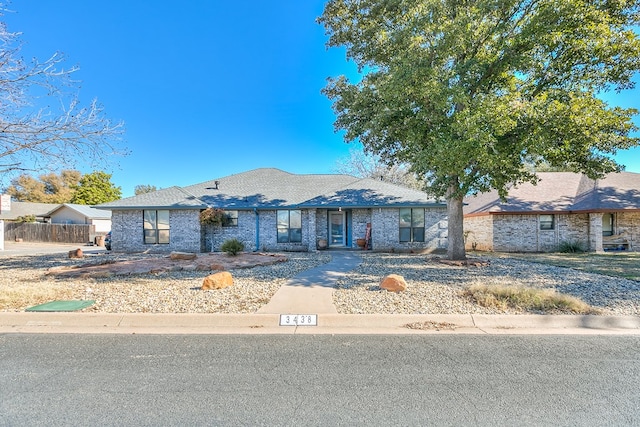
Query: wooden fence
(51,233)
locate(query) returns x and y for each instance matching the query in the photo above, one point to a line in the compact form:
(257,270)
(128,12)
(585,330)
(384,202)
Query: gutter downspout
(255,210)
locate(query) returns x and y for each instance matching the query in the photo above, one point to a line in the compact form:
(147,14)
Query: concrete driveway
(12,249)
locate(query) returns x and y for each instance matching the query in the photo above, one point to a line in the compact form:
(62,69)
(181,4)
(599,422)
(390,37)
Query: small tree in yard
(470,92)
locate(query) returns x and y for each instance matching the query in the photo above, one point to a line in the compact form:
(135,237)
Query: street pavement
(309,294)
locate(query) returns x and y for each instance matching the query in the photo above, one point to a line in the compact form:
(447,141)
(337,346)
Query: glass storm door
(336,229)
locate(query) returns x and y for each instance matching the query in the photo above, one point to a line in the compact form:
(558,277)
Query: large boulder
(393,283)
(219,280)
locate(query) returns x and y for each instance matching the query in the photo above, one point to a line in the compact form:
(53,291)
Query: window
(289,226)
(411,225)
(547,222)
(230,219)
(607,224)
(156,226)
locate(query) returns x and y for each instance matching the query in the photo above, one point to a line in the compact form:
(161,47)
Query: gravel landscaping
(433,288)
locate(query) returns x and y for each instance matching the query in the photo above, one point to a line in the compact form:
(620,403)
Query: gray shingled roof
(84,210)
(270,188)
(40,210)
(563,192)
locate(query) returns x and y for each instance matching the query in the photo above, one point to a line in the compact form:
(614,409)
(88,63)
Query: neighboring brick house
(273,210)
(563,207)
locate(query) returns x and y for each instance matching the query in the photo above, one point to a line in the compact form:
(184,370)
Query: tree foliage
(95,188)
(144,189)
(43,124)
(468,92)
(47,188)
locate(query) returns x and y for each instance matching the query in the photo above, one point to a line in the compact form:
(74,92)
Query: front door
(337,232)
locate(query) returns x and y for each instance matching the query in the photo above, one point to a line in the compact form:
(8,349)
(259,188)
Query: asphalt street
(286,380)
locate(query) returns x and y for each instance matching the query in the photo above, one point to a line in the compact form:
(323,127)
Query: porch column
(311,231)
(595,232)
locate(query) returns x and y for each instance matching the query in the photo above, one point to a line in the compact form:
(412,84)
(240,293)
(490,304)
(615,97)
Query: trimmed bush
(571,247)
(232,246)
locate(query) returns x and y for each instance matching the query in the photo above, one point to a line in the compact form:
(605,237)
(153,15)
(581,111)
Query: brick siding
(521,233)
(187,235)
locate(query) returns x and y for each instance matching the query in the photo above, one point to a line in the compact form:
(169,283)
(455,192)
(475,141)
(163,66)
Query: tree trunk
(455,247)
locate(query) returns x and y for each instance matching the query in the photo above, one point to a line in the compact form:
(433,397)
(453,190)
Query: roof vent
(214,188)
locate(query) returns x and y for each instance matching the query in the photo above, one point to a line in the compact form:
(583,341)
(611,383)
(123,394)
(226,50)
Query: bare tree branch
(42,122)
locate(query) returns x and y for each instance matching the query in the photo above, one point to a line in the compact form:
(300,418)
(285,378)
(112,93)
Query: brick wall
(215,236)
(127,232)
(521,233)
(628,223)
(186,234)
(479,233)
(385,231)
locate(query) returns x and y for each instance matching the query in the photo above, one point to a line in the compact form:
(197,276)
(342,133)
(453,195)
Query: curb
(356,324)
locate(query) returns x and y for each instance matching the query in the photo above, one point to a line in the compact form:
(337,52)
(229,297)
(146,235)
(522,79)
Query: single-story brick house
(273,210)
(563,207)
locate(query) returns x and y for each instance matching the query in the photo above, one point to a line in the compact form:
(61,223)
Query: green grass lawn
(618,264)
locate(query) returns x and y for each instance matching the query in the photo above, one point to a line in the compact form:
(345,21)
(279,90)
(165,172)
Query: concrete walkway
(311,291)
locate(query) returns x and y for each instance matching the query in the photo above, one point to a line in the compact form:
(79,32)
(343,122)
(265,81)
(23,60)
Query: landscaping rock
(220,280)
(76,253)
(183,256)
(393,283)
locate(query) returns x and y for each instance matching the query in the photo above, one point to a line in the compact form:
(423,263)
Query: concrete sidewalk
(355,324)
(311,291)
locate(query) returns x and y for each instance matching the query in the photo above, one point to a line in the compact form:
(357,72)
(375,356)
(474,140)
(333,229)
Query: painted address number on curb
(298,320)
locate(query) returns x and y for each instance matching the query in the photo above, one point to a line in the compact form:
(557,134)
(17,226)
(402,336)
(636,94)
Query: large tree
(43,125)
(468,92)
(47,188)
(95,188)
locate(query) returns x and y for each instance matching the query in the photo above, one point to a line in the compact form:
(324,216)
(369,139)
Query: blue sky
(206,88)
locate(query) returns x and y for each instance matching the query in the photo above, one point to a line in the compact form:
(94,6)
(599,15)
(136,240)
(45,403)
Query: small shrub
(526,299)
(571,247)
(232,246)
